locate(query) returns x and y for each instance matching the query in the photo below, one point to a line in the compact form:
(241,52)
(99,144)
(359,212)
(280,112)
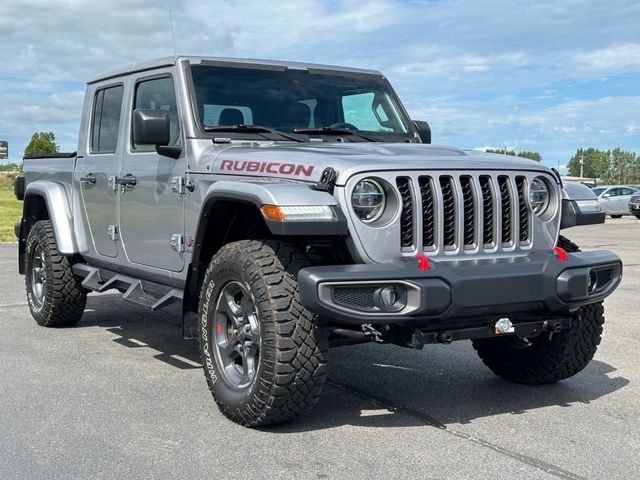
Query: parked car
(634,206)
(614,199)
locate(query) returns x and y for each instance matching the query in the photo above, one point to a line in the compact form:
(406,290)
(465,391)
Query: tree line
(614,166)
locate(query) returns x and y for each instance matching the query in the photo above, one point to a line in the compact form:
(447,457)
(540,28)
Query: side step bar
(133,288)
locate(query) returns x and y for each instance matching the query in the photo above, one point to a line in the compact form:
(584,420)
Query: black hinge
(327,180)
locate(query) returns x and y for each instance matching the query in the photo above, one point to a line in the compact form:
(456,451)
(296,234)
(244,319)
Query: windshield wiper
(242,128)
(334,131)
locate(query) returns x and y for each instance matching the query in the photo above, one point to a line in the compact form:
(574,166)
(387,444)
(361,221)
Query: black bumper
(539,282)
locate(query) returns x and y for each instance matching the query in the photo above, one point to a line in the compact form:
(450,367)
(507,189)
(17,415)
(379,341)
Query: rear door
(97,168)
(151,212)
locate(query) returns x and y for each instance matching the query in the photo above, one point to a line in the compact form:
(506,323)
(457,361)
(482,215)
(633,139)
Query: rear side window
(106,119)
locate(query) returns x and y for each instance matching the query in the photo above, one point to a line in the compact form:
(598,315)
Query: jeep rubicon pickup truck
(289,208)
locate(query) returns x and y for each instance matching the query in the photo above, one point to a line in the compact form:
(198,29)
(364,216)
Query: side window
(626,191)
(106,119)
(158,94)
(358,111)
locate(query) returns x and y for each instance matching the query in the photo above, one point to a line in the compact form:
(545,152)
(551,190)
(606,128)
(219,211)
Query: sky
(548,76)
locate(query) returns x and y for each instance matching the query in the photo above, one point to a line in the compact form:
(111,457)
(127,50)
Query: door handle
(127,181)
(90,179)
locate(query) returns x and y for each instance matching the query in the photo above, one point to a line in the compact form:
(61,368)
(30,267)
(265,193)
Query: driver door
(151,212)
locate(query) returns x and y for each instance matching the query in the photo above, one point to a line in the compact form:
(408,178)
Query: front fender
(59,209)
(282,194)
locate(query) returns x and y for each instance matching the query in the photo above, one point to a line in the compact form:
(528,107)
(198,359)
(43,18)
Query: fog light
(391,298)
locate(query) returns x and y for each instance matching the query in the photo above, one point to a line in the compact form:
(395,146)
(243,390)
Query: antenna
(173,35)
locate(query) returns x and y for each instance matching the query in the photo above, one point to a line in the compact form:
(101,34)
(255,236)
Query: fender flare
(59,208)
(282,194)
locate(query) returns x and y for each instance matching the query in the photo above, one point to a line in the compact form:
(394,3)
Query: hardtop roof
(245,62)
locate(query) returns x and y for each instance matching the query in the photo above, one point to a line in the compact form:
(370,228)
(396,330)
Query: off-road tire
(550,357)
(616,216)
(292,365)
(64,298)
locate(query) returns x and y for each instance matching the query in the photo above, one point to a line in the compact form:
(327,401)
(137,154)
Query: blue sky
(544,76)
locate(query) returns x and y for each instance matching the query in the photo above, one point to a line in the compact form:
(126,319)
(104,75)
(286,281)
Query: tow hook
(552,326)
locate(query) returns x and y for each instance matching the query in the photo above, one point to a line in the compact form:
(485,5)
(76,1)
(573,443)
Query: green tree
(532,155)
(595,163)
(525,154)
(41,143)
(624,167)
(501,151)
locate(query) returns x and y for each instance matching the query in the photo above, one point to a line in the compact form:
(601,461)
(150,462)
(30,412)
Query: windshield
(292,100)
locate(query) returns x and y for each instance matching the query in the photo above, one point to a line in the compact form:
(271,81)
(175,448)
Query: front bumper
(634,208)
(539,282)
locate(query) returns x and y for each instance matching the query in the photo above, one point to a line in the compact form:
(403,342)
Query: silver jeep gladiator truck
(289,208)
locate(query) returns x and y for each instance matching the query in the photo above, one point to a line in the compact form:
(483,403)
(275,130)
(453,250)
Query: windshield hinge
(327,180)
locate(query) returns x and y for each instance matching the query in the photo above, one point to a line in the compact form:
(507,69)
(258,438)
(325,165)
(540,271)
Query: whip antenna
(173,35)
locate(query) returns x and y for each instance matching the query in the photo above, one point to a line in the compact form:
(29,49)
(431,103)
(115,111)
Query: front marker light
(298,213)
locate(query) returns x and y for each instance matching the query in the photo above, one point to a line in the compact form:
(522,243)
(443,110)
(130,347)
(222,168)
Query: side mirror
(150,127)
(606,195)
(424,130)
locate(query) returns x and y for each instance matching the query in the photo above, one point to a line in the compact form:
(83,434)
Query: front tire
(264,355)
(547,358)
(54,294)
(638,217)
(616,216)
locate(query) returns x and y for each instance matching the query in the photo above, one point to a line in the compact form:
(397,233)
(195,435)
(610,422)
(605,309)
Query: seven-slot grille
(452,213)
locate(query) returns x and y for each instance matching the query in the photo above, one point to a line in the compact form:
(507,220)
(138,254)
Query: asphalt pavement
(122,395)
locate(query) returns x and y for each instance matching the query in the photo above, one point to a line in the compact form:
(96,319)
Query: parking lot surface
(122,395)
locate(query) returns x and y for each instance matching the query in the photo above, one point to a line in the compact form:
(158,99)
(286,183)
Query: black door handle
(90,179)
(127,181)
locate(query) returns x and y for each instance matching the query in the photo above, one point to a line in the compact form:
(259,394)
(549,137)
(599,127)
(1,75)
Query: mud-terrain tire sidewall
(214,282)
(64,298)
(293,347)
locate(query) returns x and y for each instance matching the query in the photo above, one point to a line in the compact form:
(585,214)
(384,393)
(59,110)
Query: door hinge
(181,184)
(112,181)
(177,242)
(112,231)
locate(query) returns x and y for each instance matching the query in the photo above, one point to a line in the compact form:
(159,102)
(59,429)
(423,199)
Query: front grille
(464,212)
(406,223)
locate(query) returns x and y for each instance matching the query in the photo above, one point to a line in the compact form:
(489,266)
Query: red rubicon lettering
(276,168)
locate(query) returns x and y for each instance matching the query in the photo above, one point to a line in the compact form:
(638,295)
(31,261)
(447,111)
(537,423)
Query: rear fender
(59,211)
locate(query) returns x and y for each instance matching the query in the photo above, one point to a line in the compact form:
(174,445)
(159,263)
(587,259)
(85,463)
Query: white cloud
(481,72)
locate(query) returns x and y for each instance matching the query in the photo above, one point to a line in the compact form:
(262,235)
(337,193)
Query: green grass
(10,211)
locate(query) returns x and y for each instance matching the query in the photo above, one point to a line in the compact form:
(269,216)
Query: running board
(132,288)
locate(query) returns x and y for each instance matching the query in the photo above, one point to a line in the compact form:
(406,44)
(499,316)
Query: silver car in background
(614,200)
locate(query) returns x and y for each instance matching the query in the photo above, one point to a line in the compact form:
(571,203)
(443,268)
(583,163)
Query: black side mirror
(424,130)
(150,127)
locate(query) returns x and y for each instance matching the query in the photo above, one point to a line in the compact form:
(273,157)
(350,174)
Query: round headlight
(368,200)
(539,195)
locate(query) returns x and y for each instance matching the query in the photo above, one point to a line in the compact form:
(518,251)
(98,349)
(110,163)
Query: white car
(615,199)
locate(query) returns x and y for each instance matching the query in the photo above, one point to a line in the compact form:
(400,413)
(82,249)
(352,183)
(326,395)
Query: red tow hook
(423,262)
(561,253)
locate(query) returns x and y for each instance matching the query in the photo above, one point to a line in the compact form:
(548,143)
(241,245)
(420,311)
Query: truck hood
(305,162)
